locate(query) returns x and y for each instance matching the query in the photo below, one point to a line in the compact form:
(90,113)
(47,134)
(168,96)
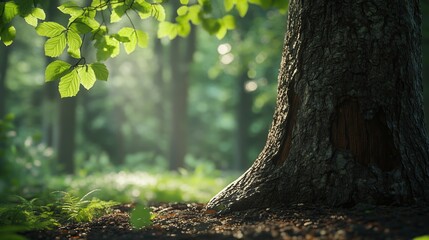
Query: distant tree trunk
(348,126)
(181,53)
(50,95)
(4,65)
(66,134)
(119,152)
(160,88)
(243,114)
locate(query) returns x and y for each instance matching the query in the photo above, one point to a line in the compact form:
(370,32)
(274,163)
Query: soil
(192,221)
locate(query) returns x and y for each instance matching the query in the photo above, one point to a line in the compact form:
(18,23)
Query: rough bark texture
(348,125)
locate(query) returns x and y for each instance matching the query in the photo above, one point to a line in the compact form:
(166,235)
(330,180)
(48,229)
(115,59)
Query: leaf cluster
(23,8)
(93,21)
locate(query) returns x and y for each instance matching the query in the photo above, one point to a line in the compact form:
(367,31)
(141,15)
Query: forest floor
(191,221)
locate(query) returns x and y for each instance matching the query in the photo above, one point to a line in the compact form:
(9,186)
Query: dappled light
(251,86)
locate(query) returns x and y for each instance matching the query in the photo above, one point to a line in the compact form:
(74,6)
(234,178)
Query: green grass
(125,186)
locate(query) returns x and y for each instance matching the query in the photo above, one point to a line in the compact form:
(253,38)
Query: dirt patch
(191,221)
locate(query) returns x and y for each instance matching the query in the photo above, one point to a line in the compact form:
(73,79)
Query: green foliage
(198,185)
(27,214)
(11,232)
(81,209)
(26,163)
(50,212)
(90,20)
(141,217)
(424,237)
(7,35)
(72,76)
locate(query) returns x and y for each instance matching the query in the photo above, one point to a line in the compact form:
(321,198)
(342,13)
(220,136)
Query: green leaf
(87,76)
(194,14)
(117,13)
(50,29)
(56,69)
(75,42)
(228,21)
(184,2)
(183,28)
(131,35)
(242,7)
(140,217)
(142,39)
(7,35)
(69,84)
(99,33)
(142,7)
(100,71)
(182,10)
(211,25)
(39,13)
(55,46)
(221,32)
(122,39)
(83,25)
(99,4)
(31,20)
(158,12)
(167,29)
(143,15)
(229,4)
(10,11)
(71,8)
(107,47)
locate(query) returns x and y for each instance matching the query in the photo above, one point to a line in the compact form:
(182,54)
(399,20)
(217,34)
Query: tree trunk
(4,65)
(181,54)
(160,100)
(66,134)
(348,126)
(50,96)
(244,112)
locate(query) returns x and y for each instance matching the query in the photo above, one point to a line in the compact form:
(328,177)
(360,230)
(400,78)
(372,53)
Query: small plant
(141,217)
(82,209)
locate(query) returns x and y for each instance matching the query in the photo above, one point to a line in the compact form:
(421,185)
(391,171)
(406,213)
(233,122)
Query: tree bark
(348,125)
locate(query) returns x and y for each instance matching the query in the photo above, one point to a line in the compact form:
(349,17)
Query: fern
(32,215)
(84,210)
(27,213)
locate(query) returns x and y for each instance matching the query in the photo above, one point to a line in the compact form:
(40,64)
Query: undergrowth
(60,208)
